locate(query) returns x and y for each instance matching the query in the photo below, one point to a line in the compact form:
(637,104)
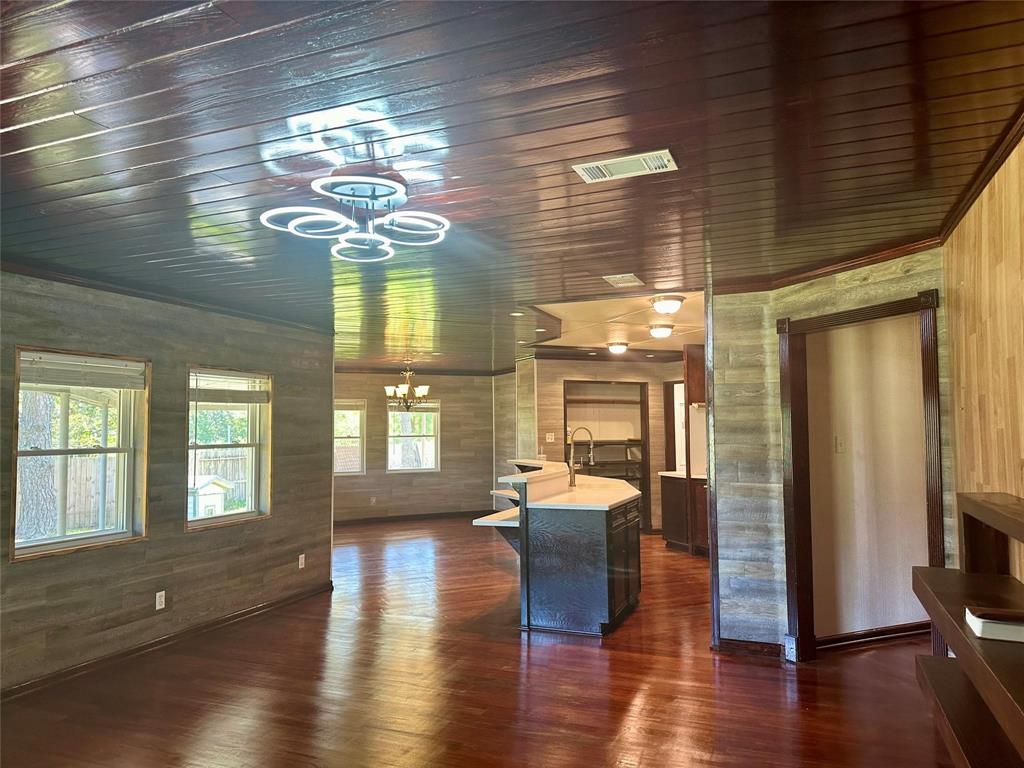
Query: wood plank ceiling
(142,140)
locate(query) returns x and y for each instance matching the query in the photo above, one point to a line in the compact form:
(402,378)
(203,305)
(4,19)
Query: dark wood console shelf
(971,734)
(979,695)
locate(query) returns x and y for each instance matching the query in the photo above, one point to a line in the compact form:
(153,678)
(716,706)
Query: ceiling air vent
(628,280)
(624,167)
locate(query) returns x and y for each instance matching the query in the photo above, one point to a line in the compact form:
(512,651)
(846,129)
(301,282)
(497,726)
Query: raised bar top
(548,488)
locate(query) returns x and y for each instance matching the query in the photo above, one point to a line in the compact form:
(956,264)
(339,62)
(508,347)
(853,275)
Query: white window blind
(55,369)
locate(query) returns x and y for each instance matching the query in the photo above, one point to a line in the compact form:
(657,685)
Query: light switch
(840,444)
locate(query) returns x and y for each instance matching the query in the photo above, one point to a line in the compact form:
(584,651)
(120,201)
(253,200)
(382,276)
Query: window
(413,438)
(349,431)
(228,446)
(80,460)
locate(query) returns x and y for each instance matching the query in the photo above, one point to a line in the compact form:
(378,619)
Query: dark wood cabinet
(684,514)
(623,560)
(693,373)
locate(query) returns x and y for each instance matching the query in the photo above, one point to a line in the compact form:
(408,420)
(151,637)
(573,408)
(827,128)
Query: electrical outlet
(373,501)
(302,561)
(160,600)
(549,437)
(840,444)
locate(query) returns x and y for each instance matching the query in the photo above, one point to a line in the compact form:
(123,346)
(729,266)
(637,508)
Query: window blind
(51,368)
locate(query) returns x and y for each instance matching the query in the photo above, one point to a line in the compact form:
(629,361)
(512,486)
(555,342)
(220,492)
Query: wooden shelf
(996,668)
(1001,511)
(972,736)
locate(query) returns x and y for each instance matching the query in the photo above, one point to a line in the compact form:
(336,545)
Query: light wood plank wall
(66,609)
(505,433)
(984,263)
(467,447)
(748,438)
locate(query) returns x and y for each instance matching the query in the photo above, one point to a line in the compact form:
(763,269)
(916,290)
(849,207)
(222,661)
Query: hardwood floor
(415,660)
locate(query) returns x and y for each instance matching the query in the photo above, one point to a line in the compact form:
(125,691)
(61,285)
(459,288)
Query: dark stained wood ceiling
(142,140)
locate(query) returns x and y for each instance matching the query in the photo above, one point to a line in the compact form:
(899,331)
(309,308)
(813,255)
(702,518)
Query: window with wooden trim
(80,461)
(349,437)
(414,438)
(228,446)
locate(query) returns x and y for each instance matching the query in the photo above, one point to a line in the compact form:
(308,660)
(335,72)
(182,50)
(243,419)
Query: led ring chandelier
(362,236)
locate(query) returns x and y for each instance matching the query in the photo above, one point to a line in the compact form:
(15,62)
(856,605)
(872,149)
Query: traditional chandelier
(367,223)
(405,395)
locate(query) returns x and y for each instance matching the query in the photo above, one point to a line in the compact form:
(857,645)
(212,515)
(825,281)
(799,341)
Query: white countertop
(506,518)
(596,493)
(681,475)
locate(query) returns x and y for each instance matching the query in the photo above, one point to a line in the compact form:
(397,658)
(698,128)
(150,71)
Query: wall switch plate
(549,437)
(302,561)
(840,444)
(373,500)
(161,600)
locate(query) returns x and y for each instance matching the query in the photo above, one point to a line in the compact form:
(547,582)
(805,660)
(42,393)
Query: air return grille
(624,167)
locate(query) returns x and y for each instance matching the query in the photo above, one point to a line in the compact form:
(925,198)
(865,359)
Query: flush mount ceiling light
(661,331)
(618,347)
(362,234)
(666,305)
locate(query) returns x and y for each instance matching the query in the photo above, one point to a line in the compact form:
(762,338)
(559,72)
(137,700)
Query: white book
(995,623)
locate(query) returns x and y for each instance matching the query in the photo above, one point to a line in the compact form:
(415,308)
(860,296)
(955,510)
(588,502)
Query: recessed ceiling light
(591,353)
(520,342)
(541,330)
(618,347)
(516,314)
(667,305)
(661,331)
(648,355)
(435,353)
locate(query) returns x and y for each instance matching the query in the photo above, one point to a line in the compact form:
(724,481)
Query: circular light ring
(373,192)
(337,225)
(426,228)
(267,218)
(372,245)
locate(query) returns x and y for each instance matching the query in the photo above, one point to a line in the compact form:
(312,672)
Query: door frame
(800,640)
(669,405)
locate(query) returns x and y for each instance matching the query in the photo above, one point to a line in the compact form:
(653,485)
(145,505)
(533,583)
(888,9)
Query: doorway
(865,427)
(801,641)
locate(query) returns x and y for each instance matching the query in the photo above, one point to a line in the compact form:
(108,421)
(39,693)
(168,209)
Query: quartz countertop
(682,475)
(596,493)
(506,518)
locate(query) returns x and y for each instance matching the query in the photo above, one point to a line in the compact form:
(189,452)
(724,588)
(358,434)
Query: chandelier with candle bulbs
(367,223)
(405,395)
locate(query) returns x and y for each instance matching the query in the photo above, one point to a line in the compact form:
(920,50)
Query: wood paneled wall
(551,375)
(464,482)
(748,439)
(984,263)
(526,409)
(63,610)
(505,441)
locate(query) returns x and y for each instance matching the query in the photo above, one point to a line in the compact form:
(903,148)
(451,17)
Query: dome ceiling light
(667,305)
(618,347)
(367,223)
(661,331)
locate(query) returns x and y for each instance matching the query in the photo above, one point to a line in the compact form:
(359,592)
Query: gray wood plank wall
(747,436)
(467,449)
(62,610)
(505,441)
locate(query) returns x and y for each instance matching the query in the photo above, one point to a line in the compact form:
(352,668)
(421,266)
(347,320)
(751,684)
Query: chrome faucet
(572,455)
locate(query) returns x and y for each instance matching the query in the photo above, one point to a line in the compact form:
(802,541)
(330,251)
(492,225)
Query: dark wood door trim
(801,643)
(668,406)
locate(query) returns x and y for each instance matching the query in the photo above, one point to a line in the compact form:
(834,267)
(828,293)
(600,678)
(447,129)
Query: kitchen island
(579,548)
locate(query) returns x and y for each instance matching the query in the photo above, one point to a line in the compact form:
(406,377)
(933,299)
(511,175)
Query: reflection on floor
(415,660)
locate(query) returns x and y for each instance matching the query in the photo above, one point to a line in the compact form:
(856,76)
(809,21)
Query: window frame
(436,407)
(136,490)
(262,472)
(356,405)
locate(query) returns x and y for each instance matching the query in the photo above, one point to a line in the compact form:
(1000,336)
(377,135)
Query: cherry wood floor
(415,660)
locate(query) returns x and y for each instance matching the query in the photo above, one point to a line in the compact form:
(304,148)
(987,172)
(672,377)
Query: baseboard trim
(410,518)
(748,648)
(68,673)
(872,635)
